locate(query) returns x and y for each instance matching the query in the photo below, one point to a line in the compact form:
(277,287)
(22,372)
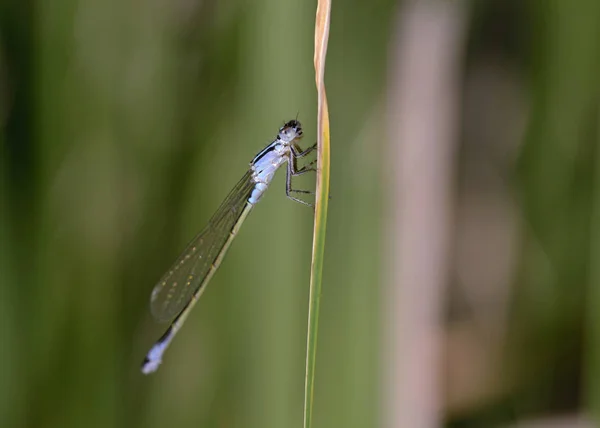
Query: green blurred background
(124,124)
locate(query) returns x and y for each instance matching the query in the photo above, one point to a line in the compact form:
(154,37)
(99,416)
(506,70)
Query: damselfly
(180,287)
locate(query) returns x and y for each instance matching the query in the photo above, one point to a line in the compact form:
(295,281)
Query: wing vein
(177,286)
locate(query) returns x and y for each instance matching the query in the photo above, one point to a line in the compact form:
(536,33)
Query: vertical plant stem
(322,199)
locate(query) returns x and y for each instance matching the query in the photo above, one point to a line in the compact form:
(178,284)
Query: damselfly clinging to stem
(181,286)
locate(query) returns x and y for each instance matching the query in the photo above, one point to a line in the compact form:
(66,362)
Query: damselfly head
(290,131)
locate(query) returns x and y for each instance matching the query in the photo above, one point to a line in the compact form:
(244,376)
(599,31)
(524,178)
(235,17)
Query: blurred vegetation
(124,124)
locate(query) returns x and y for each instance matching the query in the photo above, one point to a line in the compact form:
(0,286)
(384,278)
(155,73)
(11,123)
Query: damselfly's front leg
(301,153)
(306,168)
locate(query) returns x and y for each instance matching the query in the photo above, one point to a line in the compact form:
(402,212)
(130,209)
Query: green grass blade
(322,199)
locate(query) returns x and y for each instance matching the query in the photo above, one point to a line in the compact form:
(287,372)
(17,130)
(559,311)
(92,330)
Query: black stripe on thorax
(264,151)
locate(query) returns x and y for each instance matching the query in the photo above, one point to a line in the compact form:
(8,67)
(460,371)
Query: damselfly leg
(301,153)
(293,171)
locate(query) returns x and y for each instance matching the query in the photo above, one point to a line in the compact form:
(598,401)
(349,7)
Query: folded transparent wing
(188,273)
